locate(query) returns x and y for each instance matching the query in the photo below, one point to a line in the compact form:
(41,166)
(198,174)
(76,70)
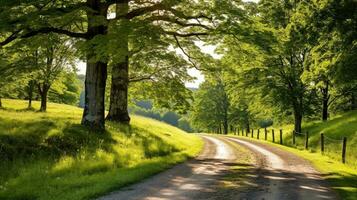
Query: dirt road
(282,175)
(275,174)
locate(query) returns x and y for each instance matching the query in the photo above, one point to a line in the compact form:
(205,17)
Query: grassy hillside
(335,129)
(344,125)
(50,156)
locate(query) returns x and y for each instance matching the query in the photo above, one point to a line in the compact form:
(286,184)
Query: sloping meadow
(50,156)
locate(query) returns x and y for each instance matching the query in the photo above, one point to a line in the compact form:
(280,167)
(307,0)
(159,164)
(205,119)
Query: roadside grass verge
(341,177)
(344,125)
(50,156)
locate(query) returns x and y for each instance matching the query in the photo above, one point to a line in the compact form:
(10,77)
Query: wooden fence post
(344,150)
(273,134)
(322,143)
(252,133)
(307,140)
(258,134)
(281,136)
(294,137)
(266,132)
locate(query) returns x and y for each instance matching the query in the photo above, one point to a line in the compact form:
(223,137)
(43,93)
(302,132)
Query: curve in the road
(278,175)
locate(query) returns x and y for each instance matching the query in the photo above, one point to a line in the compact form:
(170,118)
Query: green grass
(342,178)
(50,156)
(340,126)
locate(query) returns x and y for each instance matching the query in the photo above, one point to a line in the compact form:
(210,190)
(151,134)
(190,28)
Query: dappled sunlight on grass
(51,156)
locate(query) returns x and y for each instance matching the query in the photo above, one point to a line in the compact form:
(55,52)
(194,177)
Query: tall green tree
(88,22)
(211,107)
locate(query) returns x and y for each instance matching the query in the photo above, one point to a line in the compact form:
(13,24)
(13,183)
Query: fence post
(258,134)
(281,136)
(294,137)
(252,133)
(322,143)
(344,150)
(273,134)
(307,140)
(265,131)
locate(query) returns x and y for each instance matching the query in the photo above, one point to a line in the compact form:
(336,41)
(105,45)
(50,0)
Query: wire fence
(332,147)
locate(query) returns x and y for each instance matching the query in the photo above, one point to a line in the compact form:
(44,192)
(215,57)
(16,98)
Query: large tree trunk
(96,72)
(0,103)
(325,101)
(118,109)
(93,115)
(43,90)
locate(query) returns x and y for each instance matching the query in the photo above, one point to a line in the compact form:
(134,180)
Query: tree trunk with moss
(118,109)
(96,71)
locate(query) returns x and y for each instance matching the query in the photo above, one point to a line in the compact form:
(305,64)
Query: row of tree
(295,56)
(282,60)
(126,40)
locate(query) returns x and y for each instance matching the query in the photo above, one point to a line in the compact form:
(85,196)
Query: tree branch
(31,33)
(177,21)
(177,34)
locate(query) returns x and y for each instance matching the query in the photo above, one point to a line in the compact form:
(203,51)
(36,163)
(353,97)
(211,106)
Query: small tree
(43,59)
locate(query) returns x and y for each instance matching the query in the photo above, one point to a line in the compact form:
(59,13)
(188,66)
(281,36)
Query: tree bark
(43,93)
(118,109)
(325,101)
(0,103)
(93,114)
(96,72)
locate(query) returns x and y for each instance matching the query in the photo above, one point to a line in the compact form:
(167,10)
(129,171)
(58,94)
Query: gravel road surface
(276,175)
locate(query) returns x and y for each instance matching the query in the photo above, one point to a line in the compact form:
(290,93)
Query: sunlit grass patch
(51,156)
